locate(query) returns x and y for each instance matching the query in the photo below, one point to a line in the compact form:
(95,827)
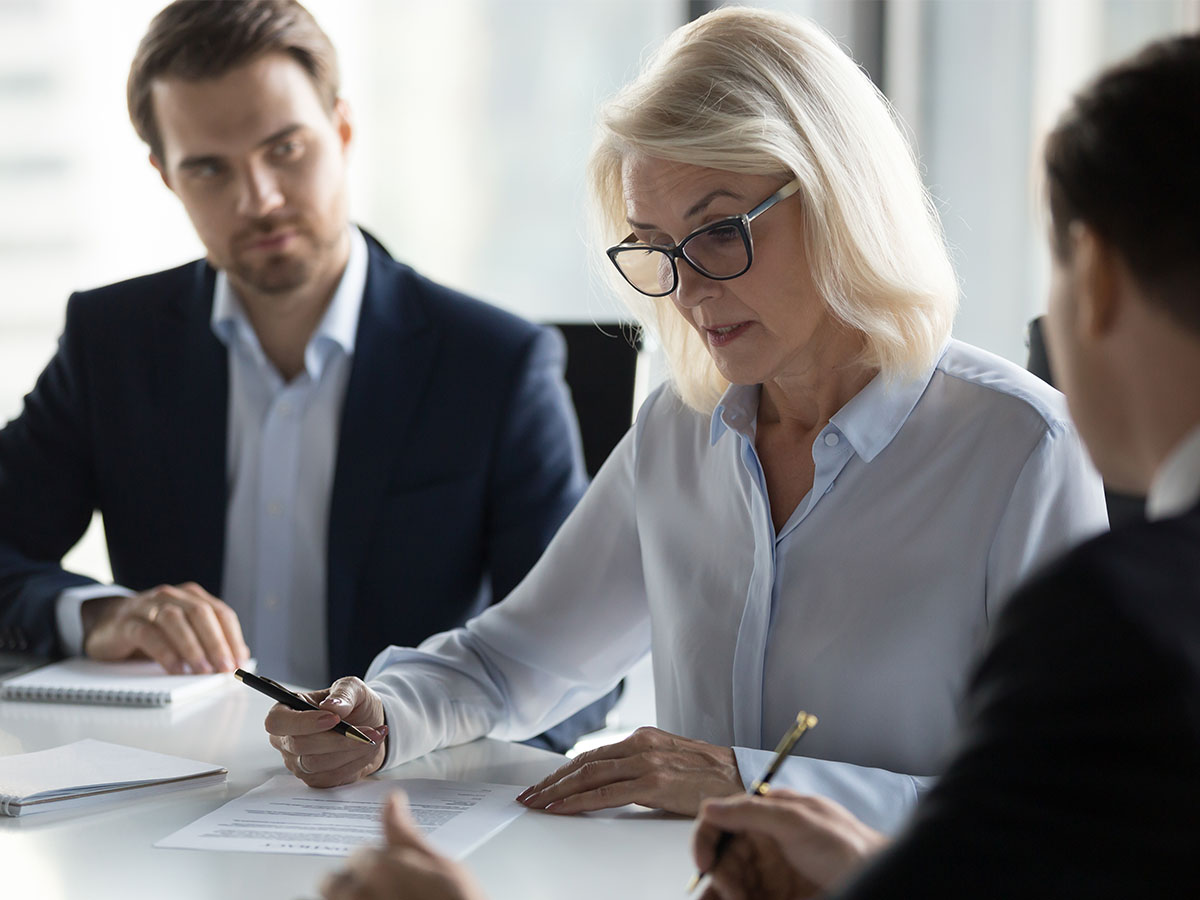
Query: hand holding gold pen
(804,721)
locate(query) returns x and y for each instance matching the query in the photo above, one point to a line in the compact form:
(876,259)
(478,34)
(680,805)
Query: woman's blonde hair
(765,93)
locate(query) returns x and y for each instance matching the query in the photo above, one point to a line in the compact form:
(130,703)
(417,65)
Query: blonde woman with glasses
(823,508)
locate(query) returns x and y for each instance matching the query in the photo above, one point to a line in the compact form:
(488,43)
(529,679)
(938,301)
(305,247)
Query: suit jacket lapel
(194,399)
(387,380)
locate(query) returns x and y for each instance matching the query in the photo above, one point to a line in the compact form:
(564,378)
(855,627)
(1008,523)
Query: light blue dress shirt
(932,498)
(282,448)
(281,455)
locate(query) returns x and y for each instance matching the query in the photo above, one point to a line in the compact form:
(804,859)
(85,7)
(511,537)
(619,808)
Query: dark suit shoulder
(149,284)
(1146,575)
(475,326)
(132,299)
(470,312)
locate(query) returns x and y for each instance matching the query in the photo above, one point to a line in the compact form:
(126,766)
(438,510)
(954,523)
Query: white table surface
(107,851)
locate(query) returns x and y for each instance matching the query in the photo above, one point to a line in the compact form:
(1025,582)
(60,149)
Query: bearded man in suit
(301,448)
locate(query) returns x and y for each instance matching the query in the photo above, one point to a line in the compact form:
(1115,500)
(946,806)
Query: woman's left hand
(650,767)
(404,866)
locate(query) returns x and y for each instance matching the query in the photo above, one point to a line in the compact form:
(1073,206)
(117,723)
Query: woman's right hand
(784,845)
(323,758)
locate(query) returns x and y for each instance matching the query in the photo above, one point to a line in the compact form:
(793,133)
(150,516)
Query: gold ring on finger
(152,612)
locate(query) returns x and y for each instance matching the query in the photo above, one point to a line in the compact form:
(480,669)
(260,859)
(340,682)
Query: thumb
(343,696)
(399,829)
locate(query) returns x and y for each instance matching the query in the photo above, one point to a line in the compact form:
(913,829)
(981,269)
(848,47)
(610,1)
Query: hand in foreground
(650,767)
(784,845)
(323,758)
(182,627)
(404,865)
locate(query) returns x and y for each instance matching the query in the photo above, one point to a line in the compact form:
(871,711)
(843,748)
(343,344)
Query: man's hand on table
(323,758)
(182,627)
(650,767)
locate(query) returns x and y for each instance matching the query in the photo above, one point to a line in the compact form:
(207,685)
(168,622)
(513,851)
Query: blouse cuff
(881,799)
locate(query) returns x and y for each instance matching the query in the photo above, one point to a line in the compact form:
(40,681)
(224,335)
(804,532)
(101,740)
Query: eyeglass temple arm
(782,194)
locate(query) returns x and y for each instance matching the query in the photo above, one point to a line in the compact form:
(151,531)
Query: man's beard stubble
(281,273)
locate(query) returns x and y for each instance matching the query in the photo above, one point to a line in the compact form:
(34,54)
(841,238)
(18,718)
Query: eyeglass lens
(718,252)
(650,271)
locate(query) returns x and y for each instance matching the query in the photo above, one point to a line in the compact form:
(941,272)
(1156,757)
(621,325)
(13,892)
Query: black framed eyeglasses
(720,250)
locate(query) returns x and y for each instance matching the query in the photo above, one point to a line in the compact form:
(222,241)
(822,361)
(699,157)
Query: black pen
(804,721)
(280,694)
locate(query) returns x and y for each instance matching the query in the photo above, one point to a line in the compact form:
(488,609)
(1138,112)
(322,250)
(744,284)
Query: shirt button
(831,440)
(275,508)
(272,601)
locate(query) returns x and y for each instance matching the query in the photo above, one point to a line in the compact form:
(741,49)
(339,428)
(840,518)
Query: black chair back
(601,373)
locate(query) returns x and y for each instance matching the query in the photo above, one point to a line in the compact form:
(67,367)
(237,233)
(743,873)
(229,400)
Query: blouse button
(831,440)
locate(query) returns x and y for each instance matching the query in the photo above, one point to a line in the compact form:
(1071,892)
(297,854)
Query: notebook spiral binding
(86,695)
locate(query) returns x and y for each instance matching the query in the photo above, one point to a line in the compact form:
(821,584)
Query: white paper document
(284,816)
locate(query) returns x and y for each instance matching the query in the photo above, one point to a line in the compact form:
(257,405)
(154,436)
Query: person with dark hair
(1079,772)
(301,448)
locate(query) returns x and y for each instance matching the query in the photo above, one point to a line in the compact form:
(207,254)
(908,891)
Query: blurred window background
(473,120)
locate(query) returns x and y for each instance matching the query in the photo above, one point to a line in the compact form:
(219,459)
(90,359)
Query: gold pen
(804,721)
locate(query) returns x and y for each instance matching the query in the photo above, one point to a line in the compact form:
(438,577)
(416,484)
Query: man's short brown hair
(1122,161)
(199,39)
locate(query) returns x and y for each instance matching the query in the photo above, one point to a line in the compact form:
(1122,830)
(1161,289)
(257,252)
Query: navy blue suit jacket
(1079,770)
(458,458)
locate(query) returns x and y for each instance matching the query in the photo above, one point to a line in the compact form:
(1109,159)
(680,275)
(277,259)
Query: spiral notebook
(89,772)
(81,680)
